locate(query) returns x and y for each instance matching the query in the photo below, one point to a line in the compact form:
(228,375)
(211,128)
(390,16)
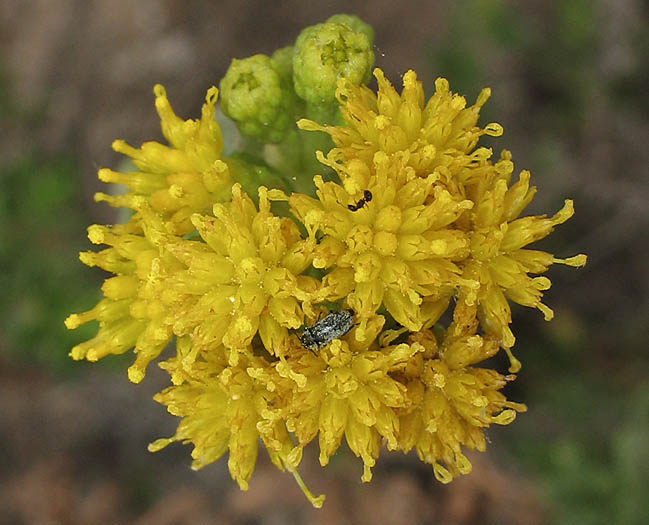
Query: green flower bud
(354,23)
(256,95)
(325,53)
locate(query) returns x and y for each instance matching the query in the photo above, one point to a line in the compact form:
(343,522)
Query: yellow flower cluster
(443,220)
(175,181)
(420,219)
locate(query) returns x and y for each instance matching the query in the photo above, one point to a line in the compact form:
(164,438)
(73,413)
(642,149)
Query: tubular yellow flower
(186,177)
(229,408)
(395,249)
(223,408)
(129,315)
(241,278)
(439,134)
(450,402)
(344,390)
(499,260)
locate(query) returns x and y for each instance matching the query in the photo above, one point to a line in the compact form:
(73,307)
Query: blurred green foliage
(586,441)
(557,48)
(42,227)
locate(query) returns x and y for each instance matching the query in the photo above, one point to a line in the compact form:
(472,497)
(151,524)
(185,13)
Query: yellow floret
(186,177)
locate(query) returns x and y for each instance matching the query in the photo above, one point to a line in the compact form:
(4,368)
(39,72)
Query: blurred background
(570,86)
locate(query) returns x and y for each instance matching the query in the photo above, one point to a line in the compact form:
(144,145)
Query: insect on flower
(330,327)
(367,197)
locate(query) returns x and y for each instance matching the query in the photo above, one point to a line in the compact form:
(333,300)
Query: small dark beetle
(330,327)
(367,197)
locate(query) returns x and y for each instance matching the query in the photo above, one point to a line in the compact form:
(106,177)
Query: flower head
(394,250)
(242,277)
(451,402)
(439,134)
(499,259)
(186,177)
(223,408)
(130,314)
(344,390)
